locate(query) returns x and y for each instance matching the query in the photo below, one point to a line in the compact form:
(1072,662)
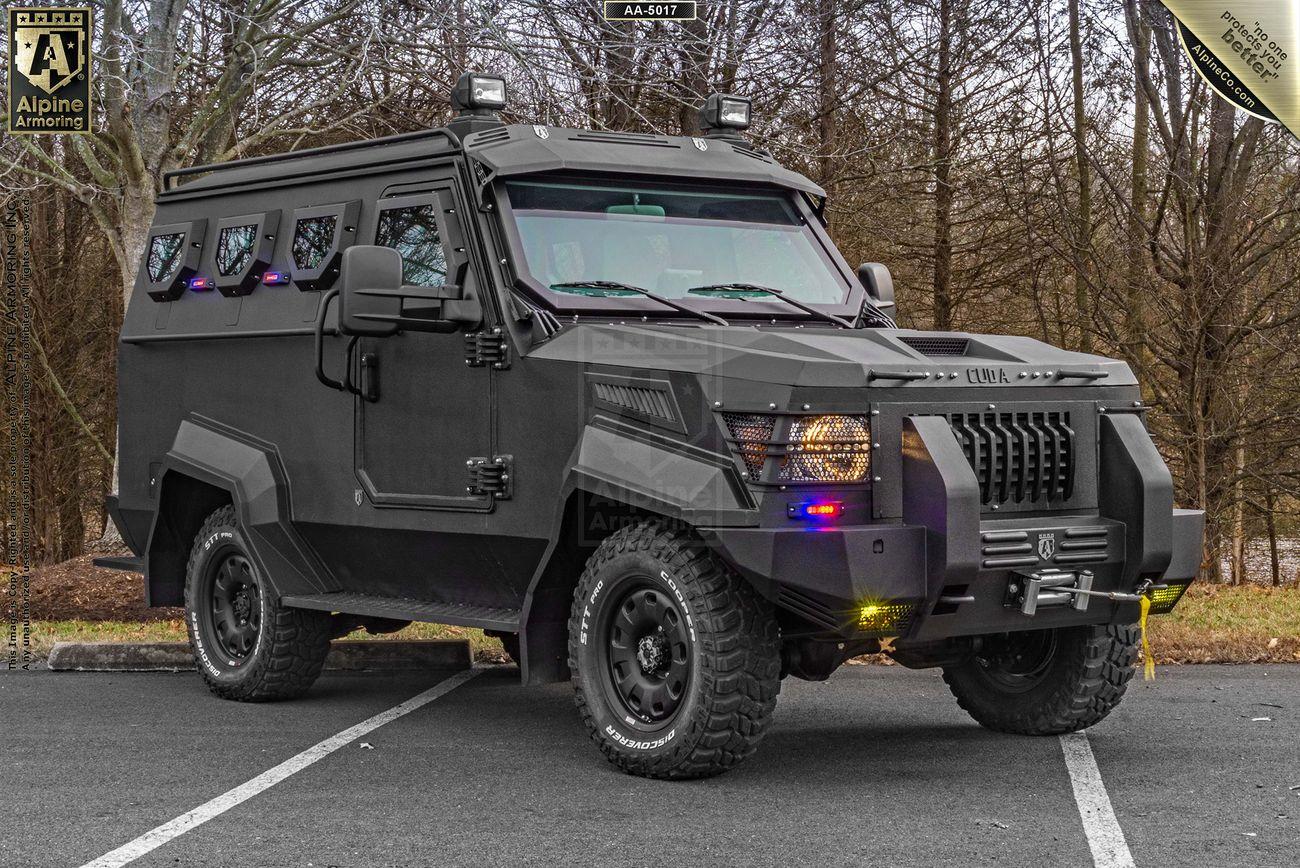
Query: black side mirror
(374,302)
(878,282)
(370,301)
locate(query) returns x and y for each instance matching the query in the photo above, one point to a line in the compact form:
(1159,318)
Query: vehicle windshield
(669,240)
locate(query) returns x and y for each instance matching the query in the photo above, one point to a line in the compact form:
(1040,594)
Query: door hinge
(488,347)
(491,476)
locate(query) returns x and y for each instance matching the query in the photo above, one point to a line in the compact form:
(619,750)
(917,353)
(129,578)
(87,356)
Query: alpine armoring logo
(49,70)
(1046,546)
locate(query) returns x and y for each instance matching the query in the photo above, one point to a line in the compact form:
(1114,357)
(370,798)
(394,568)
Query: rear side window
(235,248)
(413,232)
(313,239)
(165,255)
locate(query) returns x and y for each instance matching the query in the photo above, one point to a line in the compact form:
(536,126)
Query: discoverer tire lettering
(654,587)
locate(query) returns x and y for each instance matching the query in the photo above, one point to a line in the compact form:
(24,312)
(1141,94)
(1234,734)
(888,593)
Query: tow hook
(1032,590)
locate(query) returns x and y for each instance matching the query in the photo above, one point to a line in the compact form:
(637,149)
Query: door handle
(370,376)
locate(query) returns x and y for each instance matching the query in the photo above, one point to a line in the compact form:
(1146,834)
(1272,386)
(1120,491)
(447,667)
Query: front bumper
(954,565)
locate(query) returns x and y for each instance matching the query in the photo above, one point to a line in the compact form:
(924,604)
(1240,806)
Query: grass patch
(1211,624)
(45,633)
(1221,624)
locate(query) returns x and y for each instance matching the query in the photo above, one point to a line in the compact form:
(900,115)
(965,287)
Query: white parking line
(155,838)
(1105,837)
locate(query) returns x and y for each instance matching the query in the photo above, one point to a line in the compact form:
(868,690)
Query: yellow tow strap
(1149,662)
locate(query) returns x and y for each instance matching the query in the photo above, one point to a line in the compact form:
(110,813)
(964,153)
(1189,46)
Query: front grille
(940,346)
(1019,457)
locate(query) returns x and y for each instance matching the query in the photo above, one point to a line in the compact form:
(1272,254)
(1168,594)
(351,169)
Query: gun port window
(235,249)
(313,239)
(413,232)
(165,255)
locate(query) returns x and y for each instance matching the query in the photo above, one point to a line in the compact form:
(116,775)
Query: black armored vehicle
(617,399)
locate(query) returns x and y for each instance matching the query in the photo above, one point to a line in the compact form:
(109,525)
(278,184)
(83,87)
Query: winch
(1031,590)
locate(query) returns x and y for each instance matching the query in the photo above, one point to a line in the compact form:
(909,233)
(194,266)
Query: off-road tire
(290,645)
(510,643)
(1084,682)
(734,665)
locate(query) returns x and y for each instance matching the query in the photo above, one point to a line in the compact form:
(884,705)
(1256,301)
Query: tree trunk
(943,313)
(1138,277)
(694,59)
(1270,525)
(1083,220)
(1238,563)
(826,96)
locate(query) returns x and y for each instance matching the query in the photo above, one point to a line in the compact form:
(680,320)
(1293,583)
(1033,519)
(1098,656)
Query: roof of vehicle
(505,150)
(519,149)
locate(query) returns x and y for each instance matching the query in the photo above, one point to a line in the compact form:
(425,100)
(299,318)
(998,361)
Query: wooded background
(1050,168)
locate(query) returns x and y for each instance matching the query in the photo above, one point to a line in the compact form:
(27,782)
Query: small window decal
(165,255)
(413,232)
(235,248)
(313,239)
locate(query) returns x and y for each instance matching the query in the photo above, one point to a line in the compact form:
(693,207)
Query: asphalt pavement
(877,766)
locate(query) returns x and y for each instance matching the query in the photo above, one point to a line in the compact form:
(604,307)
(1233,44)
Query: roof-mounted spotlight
(724,114)
(476,94)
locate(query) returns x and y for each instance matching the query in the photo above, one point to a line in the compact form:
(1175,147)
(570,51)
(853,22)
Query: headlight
(828,449)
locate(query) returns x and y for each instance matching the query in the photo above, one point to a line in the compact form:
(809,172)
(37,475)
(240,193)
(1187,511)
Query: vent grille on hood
(938,346)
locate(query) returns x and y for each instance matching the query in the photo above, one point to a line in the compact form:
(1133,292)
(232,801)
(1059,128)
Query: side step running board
(405,609)
(129,564)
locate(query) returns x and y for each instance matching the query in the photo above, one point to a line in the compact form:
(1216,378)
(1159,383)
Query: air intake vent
(751,153)
(487,137)
(1018,457)
(938,346)
(650,400)
(623,139)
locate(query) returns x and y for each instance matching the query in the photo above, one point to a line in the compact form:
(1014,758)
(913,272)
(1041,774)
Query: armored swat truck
(617,399)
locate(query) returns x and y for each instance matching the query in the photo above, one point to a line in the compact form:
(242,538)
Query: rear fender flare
(251,474)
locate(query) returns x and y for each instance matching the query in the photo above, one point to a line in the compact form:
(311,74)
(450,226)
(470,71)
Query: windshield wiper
(653,296)
(767,290)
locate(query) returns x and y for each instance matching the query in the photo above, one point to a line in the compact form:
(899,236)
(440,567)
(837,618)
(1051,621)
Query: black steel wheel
(1046,682)
(235,596)
(675,660)
(646,650)
(1016,662)
(246,645)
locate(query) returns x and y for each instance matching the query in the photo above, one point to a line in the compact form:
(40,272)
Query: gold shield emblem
(49,50)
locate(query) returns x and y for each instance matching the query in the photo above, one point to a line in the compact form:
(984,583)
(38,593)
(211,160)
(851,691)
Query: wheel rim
(234,605)
(646,648)
(1018,662)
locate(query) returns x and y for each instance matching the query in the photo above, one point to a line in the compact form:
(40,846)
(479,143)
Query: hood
(833,358)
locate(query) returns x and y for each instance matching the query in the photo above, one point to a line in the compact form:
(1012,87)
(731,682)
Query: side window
(235,248)
(165,255)
(172,258)
(413,232)
(243,251)
(320,235)
(313,239)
